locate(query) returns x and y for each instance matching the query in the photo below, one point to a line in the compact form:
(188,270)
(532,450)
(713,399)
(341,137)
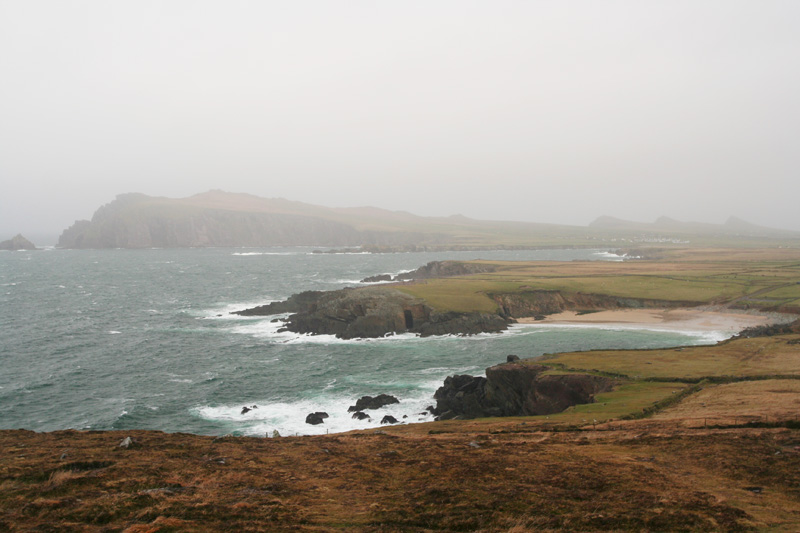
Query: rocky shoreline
(514,388)
(381,310)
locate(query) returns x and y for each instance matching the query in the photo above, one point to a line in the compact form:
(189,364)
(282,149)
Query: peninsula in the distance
(222,219)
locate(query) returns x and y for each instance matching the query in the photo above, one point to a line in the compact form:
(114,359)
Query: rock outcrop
(18,242)
(435,269)
(373,402)
(372,312)
(515,389)
(536,302)
(316,418)
(296,303)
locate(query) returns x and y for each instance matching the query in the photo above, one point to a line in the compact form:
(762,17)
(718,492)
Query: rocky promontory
(18,242)
(371,312)
(377,311)
(515,389)
(436,269)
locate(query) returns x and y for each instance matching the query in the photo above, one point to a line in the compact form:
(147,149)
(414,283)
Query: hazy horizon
(528,111)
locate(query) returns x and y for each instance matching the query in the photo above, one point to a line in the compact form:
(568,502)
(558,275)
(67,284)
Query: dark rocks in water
(512,358)
(358,415)
(435,269)
(444,269)
(514,389)
(369,402)
(245,410)
(378,278)
(18,242)
(296,303)
(316,418)
(389,419)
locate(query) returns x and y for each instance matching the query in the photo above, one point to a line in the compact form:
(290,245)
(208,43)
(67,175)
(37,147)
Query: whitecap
(610,256)
(289,418)
(114,332)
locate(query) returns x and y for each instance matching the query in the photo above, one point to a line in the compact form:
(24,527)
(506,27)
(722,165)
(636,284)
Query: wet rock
(389,419)
(358,415)
(316,418)
(370,402)
(245,410)
(378,278)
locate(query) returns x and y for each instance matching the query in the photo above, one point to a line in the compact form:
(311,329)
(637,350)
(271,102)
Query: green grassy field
(765,279)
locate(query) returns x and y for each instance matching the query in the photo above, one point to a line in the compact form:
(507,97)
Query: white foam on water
(224,311)
(610,256)
(245,254)
(289,418)
(114,332)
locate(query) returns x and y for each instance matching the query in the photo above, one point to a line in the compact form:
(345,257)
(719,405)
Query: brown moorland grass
(645,477)
(736,358)
(776,399)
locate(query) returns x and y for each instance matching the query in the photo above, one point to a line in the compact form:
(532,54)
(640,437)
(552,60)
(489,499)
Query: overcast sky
(517,110)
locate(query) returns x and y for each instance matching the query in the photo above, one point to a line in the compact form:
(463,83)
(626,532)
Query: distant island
(18,242)
(223,219)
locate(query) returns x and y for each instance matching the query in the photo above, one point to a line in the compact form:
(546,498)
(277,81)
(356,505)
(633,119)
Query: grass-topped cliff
(218,218)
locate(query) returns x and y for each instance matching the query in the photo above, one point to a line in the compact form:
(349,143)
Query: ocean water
(144,339)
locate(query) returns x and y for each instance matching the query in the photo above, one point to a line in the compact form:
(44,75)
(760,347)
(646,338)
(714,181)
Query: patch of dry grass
(758,356)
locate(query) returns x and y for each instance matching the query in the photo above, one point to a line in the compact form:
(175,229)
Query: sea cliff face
(546,302)
(219,219)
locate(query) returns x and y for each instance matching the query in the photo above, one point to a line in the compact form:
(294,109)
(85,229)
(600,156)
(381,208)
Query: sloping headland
(220,219)
(701,438)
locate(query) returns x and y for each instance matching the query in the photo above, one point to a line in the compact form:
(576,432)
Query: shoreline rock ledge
(515,389)
(372,312)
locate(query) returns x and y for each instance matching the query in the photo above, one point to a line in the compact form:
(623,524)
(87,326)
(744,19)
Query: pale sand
(677,319)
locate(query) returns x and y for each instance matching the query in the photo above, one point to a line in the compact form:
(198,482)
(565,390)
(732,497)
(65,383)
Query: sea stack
(18,242)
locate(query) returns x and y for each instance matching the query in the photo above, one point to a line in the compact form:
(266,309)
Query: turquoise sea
(122,339)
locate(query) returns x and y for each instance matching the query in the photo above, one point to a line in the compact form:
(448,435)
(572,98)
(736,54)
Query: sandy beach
(677,319)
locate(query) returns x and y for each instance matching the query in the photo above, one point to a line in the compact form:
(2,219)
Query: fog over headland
(518,110)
